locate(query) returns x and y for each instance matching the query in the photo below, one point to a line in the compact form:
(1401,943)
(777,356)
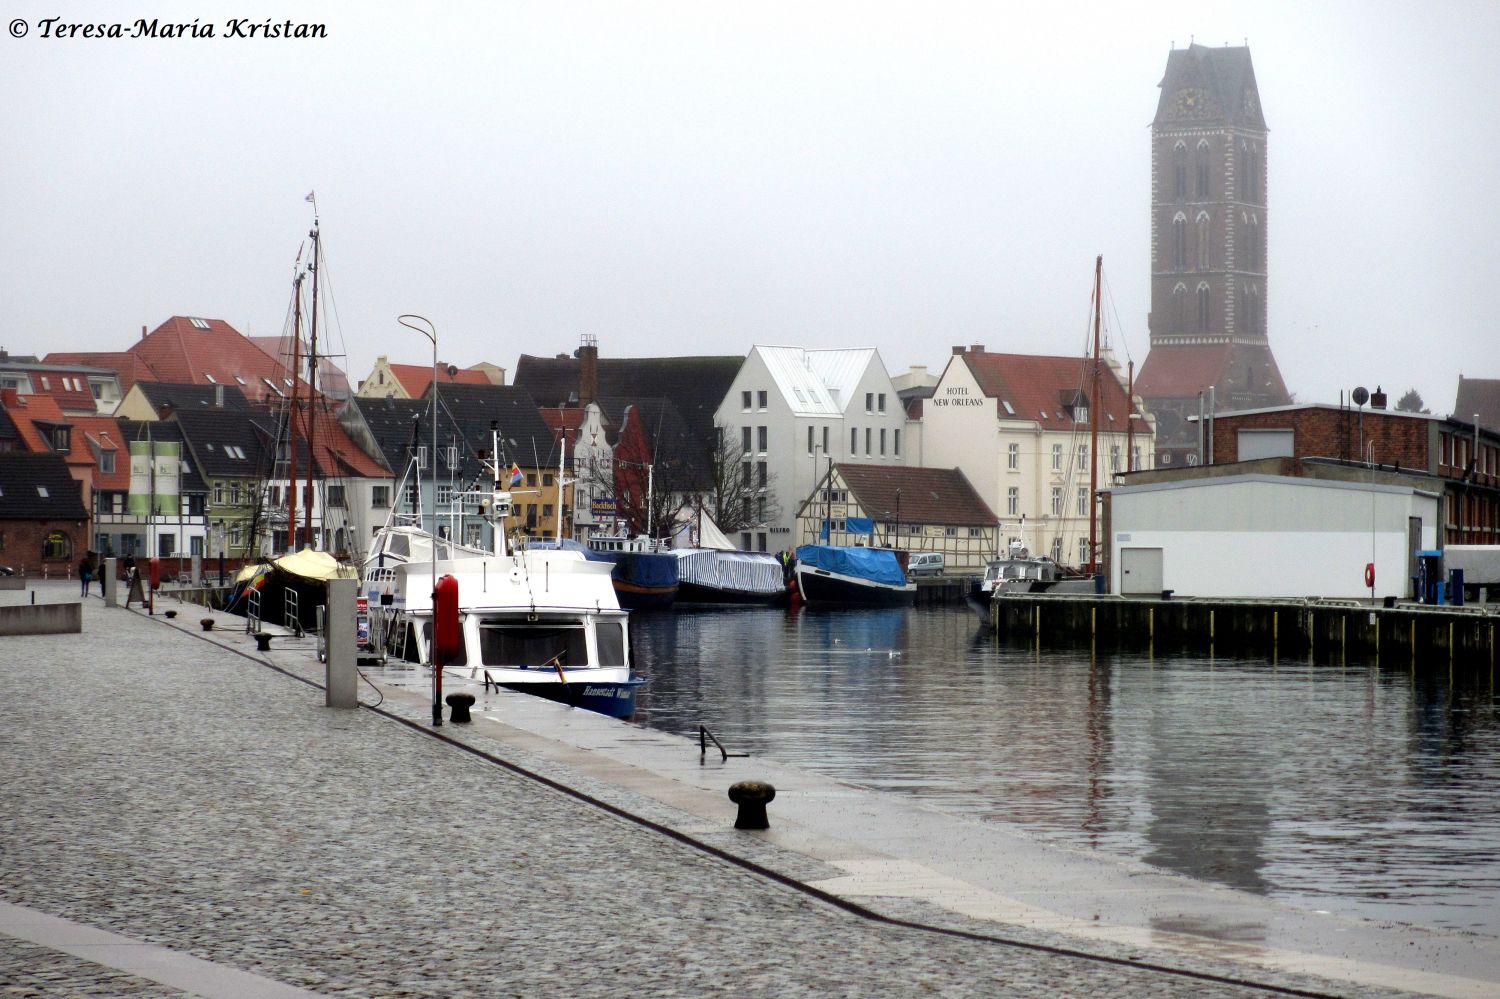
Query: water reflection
(1345,788)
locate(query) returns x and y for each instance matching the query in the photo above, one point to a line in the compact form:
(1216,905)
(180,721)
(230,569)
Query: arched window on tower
(1179,307)
(1202,164)
(1179,241)
(1179,171)
(1203,308)
(1252,242)
(1203,241)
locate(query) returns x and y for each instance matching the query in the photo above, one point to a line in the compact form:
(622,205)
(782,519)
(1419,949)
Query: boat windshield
(610,637)
(533,645)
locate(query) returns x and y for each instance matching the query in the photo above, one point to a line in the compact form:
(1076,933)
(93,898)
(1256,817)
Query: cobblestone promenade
(159,787)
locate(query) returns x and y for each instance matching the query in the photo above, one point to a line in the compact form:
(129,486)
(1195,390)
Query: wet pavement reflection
(1344,788)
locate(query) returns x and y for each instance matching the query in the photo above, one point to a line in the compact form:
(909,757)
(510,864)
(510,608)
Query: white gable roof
(816,382)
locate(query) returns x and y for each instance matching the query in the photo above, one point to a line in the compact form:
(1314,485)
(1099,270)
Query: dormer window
(107,462)
(62,439)
(199,324)
(1081,413)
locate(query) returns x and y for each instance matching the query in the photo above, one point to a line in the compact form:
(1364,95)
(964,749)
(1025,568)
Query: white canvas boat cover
(744,572)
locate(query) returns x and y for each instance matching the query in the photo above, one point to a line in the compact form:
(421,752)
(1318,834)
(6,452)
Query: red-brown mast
(291,423)
(1130,418)
(312,388)
(1094,404)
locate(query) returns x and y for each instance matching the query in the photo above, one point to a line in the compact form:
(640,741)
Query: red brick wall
(1330,433)
(21,546)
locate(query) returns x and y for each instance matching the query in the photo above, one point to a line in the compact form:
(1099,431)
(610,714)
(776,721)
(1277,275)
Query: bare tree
(739,494)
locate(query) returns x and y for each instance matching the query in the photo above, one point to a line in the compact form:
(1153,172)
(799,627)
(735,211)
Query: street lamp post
(437,672)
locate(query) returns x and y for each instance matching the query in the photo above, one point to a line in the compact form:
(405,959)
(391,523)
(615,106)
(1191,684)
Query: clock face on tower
(1191,102)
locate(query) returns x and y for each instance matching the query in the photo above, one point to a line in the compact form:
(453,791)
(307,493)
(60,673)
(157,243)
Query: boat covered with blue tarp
(840,574)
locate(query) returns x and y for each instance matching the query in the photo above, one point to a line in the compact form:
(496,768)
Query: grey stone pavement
(178,817)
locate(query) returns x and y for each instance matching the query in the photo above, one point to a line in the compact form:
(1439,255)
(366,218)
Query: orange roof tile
(416,377)
(1040,388)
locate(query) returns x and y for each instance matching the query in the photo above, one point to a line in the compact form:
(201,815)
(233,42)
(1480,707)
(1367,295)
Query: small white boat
(545,621)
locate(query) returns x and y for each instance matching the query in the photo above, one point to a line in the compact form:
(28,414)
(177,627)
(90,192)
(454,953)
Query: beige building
(1019,427)
(410,381)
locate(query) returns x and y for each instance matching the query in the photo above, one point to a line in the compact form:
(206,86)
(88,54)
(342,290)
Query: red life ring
(1370,575)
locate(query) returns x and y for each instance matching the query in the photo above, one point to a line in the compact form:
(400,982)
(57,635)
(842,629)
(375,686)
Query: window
(107,462)
(1179,171)
(880,402)
(1083,551)
(745,401)
(869,402)
(218,493)
(1202,164)
(760,540)
(745,435)
(1179,242)
(761,474)
(165,545)
(1083,457)
(411,496)
(1057,457)
(380,497)
(897,443)
(1057,549)
(809,440)
(760,509)
(57,545)
(882,442)
(1081,413)
(422,457)
(1013,457)
(531,480)
(760,400)
(43,493)
(745,476)
(1057,501)
(1114,459)
(335,496)
(234,493)
(546,509)
(867,442)
(1203,241)
(825,440)
(547,480)
(1083,501)
(853,440)
(760,439)
(1203,308)
(1013,500)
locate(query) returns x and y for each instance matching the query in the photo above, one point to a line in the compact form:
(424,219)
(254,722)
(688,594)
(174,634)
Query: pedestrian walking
(86,572)
(99,571)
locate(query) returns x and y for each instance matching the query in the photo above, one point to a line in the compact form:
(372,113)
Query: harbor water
(1334,786)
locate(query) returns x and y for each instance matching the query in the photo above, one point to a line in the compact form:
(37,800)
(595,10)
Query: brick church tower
(1208,248)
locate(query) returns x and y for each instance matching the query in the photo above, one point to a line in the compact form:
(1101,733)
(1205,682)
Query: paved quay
(180,814)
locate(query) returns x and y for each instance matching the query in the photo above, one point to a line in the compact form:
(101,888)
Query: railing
(291,616)
(252,611)
(704,738)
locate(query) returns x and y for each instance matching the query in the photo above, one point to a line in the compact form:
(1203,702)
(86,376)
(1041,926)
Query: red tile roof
(210,351)
(69,389)
(128,368)
(331,378)
(26,410)
(336,452)
(937,496)
(1039,388)
(1182,372)
(104,433)
(416,377)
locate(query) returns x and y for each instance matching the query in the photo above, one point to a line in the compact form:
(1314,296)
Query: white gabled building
(1018,425)
(793,411)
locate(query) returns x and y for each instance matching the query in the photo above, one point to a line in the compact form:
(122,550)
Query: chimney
(588,369)
(977,348)
(143,332)
(1377,399)
(218,397)
(958,351)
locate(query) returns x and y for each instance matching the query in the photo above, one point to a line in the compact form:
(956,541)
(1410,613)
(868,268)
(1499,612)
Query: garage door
(1140,571)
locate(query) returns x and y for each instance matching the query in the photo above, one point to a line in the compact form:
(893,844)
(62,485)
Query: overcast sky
(701,177)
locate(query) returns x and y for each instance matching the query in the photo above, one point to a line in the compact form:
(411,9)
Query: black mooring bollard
(460,703)
(752,796)
(263,641)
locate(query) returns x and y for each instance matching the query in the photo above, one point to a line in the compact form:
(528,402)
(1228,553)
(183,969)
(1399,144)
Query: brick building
(44,525)
(1463,457)
(1208,248)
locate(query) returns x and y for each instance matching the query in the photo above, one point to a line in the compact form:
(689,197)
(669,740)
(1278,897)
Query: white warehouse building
(1254,535)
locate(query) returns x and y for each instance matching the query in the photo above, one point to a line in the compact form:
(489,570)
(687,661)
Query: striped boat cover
(745,572)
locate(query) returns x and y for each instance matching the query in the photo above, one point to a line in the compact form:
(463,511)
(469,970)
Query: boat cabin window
(610,637)
(531,645)
(398,544)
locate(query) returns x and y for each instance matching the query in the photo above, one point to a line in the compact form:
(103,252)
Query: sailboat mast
(1130,419)
(291,423)
(1094,403)
(562,463)
(312,386)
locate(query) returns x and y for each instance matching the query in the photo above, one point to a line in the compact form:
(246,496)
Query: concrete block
(42,619)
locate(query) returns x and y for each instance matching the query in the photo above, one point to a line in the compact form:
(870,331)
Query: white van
(924,564)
